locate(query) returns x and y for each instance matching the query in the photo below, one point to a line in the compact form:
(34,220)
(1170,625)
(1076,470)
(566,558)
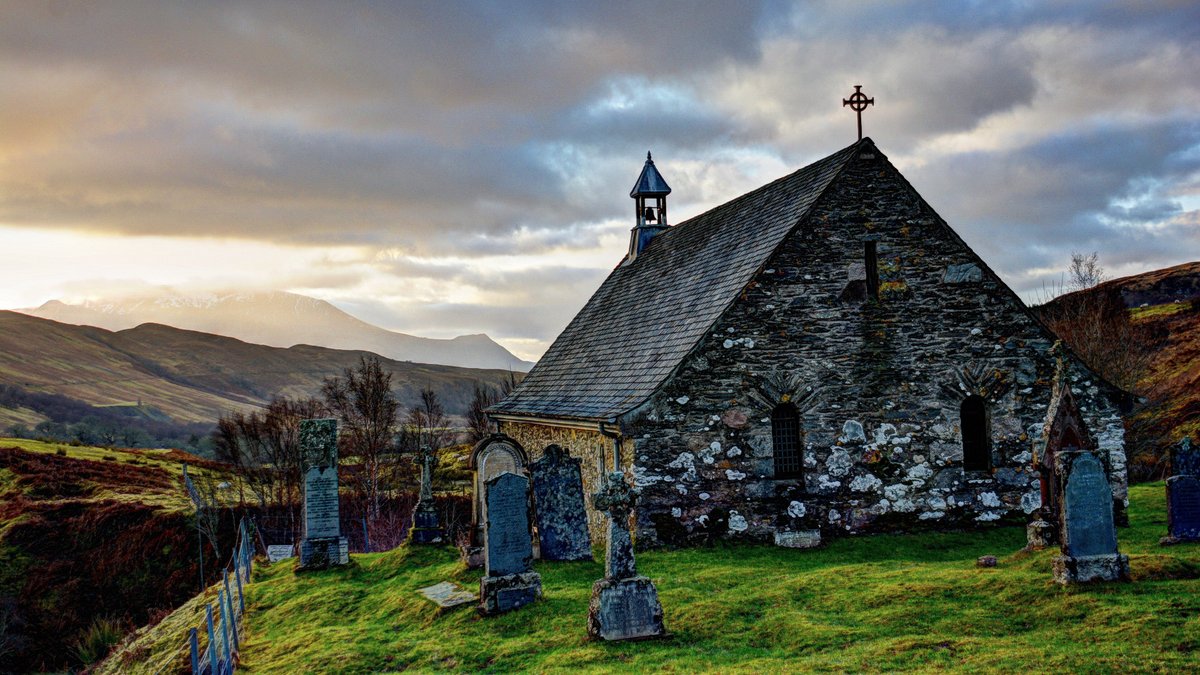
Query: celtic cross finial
(858,102)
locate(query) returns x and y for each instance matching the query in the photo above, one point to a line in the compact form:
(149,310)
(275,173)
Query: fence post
(224,625)
(212,640)
(233,628)
(366,537)
(194,643)
(241,597)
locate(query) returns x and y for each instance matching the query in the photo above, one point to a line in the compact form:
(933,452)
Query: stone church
(823,355)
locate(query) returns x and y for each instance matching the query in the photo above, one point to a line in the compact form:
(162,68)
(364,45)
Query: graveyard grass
(882,603)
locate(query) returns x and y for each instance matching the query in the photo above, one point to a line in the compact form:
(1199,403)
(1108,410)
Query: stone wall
(589,446)
(878,385)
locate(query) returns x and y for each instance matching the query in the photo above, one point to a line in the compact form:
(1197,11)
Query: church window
(976,439)
(871,258)
(785,441)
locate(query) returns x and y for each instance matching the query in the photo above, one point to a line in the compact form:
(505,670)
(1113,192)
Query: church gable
(873,373)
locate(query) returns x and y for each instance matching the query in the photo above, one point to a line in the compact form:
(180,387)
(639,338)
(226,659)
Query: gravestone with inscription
(323,544)
(426,529)
(490,457)
(509,581)
(1089,533)
(624,605)
(558,506)
(1183,494)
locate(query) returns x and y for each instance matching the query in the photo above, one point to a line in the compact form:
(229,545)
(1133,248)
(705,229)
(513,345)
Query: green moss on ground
(881,603)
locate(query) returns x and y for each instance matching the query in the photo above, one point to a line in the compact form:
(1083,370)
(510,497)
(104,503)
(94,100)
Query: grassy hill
(191,376)
(89,534)
(874,604)
(1164,308)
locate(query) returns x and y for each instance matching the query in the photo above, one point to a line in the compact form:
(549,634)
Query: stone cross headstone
(624,605)
(509,581)
(426,529)
(558,506)
(1089,533)
(323,544)
(1183,494)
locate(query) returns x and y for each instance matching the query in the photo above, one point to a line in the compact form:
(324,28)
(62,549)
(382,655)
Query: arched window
(785,441)
(976,437)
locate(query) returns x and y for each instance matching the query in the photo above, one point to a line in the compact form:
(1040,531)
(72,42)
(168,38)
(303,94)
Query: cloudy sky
(443,168)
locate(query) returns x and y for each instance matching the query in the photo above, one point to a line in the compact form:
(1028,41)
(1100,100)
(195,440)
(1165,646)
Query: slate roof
(650,182)
(649,314)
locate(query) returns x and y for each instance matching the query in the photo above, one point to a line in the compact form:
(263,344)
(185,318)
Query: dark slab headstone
(323,544)
(1183,508)
(1185,459)
(558,505)
(426,528)
(1089,534)
(509,581)
(624,605)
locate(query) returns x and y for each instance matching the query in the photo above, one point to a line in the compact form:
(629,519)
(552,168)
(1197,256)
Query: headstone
(323,544)
(447,594)
(558,505)
(277,552)
(624,605)
(490,457)
(1183,494)
(798,538)
(426,529)
(509,581)
(1089,534)
(986,561)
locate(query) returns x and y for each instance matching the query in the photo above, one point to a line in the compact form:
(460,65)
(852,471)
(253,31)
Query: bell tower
(650,208)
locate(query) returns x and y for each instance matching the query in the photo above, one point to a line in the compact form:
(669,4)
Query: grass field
(883,603)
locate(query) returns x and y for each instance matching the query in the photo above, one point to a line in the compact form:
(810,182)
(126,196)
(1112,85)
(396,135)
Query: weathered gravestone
(490,457)
(1183,494)
(277,552)
(558,505)
(323,544)
(1089,534)
(508,582)
(426,529)
(624,605)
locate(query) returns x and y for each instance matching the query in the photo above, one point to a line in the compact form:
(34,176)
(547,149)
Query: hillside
(864,604)
(192,376)
(89,533)
(1163,307)
(280,319)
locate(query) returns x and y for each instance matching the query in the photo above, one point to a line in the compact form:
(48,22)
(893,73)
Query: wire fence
(224,625)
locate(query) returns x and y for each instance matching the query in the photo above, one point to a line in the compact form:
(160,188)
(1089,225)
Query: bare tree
(426,424)
(478,424)
(1085,272)
(363,400)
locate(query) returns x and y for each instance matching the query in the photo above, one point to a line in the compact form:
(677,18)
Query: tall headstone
(1183,494)
(1089,534)
(558,506)
(490,457)
(509,581)
(323,544)
(624,605)
(426,529)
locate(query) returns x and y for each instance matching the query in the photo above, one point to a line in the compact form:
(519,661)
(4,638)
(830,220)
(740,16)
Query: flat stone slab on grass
(448,594)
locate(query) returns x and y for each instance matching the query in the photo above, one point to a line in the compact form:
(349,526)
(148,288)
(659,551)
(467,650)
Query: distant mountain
(281,319)
(193,376)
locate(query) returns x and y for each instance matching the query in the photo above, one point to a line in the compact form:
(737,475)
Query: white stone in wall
(919,472)
(931,515)
(704,496)
(884,432)
(676,512)
(834,516)
(839,462)
(825,483)
(1023,458)
(1031,501)
(895,492)
(796,510)
(852,432)
(682,400)
(735,451)
(990,499)
(737,522)
(988,515)
(904,505)
(727,344)
(681,488)
(643,479)
(686,461)
(936,503)
(734,475)
(865,483)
